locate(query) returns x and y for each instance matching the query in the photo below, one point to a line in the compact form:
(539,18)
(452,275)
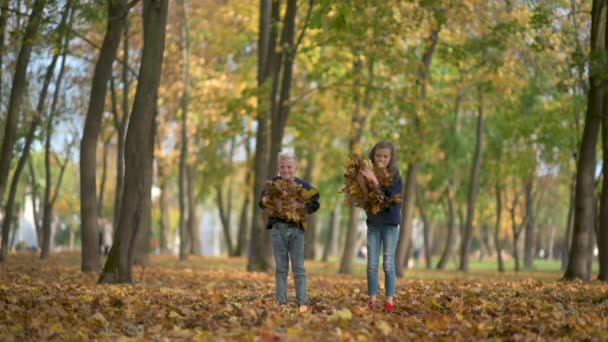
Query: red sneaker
(372,304)
(388,307)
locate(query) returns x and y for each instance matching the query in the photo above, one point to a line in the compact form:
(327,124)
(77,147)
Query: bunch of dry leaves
(361,192)
(286,199)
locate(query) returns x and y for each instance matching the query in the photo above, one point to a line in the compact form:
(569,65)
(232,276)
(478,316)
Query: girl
(383,227)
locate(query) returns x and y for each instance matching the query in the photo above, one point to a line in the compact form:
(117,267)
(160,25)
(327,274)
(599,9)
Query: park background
(137,136)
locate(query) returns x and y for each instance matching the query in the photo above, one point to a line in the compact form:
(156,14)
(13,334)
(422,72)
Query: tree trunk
(225,220)
(35,205)
(142,245)
(405,233)
(185,45)
(602,231)
(358,121)
(473,189)
(281,85)
(164,213)
(243,224)
(193,223)
(331,232)
(516,229)
(551,243)
(260,246)
(3,19)
(120,123)
(104,173)
(426,230)
(567,242)
(241,247)
(143,234)
(409,191)
(49,200)
(498,190)
(88,181)
(311,230)
(449,242)
(584,215)
(17,91)
(139,145)
(529,240)
(348,254)
(451,189)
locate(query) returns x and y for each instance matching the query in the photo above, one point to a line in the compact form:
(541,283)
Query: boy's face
(382,156)
(287,168)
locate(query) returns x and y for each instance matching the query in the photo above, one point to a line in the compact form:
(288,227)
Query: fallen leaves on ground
(53,300)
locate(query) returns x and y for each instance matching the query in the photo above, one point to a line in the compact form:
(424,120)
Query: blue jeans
(288,243)
(387,236)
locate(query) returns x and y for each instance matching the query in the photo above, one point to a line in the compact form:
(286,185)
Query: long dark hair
(392,164)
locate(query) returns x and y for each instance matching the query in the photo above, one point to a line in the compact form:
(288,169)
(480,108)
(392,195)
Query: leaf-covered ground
(215,299)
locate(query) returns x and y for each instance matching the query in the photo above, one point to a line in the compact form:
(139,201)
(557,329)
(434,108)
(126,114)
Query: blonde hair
(287,155)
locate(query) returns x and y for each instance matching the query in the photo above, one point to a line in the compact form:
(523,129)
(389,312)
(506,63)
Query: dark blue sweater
(392,214)
(311,206)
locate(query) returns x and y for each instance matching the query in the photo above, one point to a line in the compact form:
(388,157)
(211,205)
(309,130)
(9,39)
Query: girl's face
(382,156)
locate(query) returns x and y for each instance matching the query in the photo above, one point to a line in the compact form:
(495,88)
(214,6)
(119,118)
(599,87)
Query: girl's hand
(369,174)
(296,205)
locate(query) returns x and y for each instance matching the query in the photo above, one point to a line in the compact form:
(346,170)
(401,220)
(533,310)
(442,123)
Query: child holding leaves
(288,201)
(377,189)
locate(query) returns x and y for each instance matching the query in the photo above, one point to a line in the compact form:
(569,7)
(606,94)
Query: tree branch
(308,15)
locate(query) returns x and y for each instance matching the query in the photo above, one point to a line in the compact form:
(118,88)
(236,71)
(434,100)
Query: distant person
(288,237)
(105,235)
(383,227)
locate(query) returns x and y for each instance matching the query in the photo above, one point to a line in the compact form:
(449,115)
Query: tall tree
(529,238)
(183,157)
(311,229)
(409,190)
(585,213)
(473,186)
(245,208)
(38,115)
(163,225)
(358,120)
(49,196)
(224,211)
(116,18)
(260,256)
(139,145)
(498,189)
(17,91)
(3,20)
(192,222)
(602,231)
(120,123)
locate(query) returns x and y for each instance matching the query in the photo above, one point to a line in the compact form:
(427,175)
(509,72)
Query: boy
(288,237)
